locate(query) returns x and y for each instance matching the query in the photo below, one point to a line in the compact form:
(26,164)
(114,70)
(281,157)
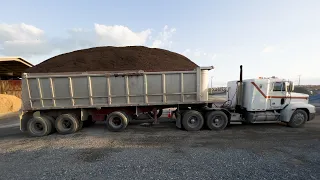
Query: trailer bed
(113,89)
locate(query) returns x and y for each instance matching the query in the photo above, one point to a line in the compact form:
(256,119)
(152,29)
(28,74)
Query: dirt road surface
(260,151)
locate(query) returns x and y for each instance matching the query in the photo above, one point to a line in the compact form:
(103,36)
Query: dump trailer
(64,102)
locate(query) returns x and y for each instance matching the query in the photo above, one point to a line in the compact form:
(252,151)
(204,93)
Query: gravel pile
(9,103)
(115,59)
(267,151)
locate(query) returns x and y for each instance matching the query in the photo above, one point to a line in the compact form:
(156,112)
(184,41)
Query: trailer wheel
(51,119)
(39,126)
(217,120)
(192,120)
(117,121)
(67,124)
(298,118)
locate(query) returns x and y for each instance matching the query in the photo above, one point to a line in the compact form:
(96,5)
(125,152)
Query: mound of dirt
(115,59)
(9,103)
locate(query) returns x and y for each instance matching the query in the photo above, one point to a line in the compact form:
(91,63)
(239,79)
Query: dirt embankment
(130,58)
(9,103)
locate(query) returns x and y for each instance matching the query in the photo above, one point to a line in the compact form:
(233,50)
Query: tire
(298,118)
(128,117)
(67,124)
(205,116)
(158,115)
(39,126)
(117,121)
(51,119)
(192,120)
(217,120)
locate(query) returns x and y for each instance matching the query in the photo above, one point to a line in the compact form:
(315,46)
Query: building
(11,69)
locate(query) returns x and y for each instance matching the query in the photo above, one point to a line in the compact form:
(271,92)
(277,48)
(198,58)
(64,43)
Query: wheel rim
(66,124)
(115,122)
(217,121)
(38,127)
(193,121)
(298,119)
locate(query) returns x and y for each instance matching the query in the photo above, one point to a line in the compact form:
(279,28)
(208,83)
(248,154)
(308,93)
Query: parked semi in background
(63,102)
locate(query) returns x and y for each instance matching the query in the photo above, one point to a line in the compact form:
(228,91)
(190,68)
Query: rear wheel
(51,119)
(67,124)
(117,121)
(217,120)
(298,118)
(39,126)
(192,120)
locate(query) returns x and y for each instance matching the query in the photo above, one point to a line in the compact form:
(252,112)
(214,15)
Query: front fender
(287,112)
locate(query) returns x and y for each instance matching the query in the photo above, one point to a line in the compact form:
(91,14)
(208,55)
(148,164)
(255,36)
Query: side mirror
(291,87)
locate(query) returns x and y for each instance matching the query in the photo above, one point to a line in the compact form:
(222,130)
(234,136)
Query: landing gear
(159,113)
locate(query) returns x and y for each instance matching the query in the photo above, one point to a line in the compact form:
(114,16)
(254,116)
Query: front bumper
(312,116)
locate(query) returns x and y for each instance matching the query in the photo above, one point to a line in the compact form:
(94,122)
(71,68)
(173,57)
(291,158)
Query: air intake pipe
(239,91)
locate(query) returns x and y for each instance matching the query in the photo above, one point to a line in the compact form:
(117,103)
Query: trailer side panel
(102,89)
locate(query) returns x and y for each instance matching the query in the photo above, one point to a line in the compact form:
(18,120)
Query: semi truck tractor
(64,102)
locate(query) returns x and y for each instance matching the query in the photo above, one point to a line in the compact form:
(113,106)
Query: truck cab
(269,99)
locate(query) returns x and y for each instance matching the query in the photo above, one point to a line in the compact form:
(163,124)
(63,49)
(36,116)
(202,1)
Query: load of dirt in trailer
(9,103)
(109,58)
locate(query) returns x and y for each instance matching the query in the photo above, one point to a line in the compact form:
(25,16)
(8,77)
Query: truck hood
(299,98)
(293,94)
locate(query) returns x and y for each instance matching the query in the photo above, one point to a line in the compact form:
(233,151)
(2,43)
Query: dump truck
(65,102)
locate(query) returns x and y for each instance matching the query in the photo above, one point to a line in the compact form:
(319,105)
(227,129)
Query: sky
(268,37)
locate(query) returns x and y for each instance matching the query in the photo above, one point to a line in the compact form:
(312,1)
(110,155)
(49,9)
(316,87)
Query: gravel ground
(260,151)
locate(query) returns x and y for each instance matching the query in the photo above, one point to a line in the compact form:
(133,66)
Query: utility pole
(299,80)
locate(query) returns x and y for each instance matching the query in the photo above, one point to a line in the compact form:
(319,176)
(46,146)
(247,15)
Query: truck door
(278,95)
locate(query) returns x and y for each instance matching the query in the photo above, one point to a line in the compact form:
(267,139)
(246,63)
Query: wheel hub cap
(193,121)
(217,121)
(298,118)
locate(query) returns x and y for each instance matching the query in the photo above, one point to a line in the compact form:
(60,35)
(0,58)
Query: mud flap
(24,118)
(178,121)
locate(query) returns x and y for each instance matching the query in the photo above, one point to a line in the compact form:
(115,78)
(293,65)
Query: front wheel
(298,118)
